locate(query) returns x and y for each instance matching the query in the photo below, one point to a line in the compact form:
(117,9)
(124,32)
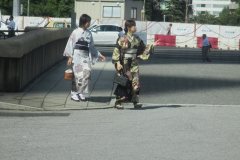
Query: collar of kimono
(83,30)
(130,36)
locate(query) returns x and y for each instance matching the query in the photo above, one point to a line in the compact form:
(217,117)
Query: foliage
(152,10)
(52,8)
(228,17)
(175,10)
(6,6)
(205,18)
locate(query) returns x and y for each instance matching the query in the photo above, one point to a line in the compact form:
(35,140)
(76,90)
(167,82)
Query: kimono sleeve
(141,46)
(144,51)
(116,55)
(117,51)
(68,52)
(93,51)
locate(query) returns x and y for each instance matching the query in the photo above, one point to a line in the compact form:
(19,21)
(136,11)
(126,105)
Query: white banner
(229,32)
(209,30)
(182,41)
(183,29)
(228,44)
(35,21)
(157,27)
(141,26)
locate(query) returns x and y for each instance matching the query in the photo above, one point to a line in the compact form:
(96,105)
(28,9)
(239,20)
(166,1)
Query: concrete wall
(24,58)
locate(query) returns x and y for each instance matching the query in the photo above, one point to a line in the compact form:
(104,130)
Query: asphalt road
(164,133)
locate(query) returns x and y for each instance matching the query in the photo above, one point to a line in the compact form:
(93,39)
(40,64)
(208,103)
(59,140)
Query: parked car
(105,34)
(57,24)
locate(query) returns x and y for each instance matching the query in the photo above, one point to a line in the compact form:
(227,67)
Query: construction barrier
(165,40)
(213,41)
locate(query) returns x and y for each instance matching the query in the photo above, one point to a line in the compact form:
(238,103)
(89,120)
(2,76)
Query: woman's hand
(69,62)
(102,57)
(119,66)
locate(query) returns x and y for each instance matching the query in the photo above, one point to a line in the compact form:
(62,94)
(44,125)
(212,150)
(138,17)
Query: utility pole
(16,8)
(0,18)
(73,16)
(100,10)
(143,11)
(28,8)
(186,12)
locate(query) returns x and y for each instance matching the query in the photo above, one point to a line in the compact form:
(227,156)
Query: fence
(183,34)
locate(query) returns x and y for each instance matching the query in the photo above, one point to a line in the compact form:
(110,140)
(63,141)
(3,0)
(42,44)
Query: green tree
(152,10)
(205,18)
(6,7)
(228,17)
(52,8)
(175,11)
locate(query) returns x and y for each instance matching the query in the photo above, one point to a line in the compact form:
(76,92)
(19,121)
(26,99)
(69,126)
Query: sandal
(137,105)
(118,105)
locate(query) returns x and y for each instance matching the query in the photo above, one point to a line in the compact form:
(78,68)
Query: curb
(11,106)
(10,113)
(16,107)
(8,108)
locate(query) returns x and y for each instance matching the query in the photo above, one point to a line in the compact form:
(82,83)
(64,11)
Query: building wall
(96,8)
(130,4)
(214,7)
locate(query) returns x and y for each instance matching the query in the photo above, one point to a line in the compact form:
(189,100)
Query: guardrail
(23,58)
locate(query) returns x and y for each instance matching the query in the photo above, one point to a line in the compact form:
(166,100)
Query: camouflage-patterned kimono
(130,48)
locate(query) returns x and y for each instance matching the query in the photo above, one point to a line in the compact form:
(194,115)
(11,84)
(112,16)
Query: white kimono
(80,47)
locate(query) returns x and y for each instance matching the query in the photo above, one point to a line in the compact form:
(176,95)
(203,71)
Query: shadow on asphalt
(162,83)
(159,59)
(99,99)
(157,107)
(165,83)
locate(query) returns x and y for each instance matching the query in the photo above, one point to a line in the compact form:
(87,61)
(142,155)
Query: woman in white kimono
(81,55)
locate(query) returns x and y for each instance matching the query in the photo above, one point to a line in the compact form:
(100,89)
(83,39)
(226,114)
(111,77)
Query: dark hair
(204,36)
(84,19)
(129,23)
(11,17)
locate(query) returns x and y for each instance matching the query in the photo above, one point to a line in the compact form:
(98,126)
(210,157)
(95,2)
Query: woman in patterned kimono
(81,55)
(130,48)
